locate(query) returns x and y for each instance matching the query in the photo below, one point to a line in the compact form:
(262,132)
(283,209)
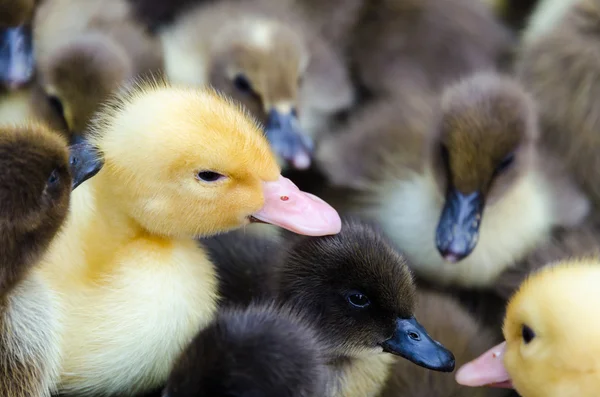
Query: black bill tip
(458,228)
(85,161)
(411,341)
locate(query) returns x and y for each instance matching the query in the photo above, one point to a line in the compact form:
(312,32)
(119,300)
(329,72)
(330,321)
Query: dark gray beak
(16,56)
(458,229)
(411,341)
(288,140)
(85,162)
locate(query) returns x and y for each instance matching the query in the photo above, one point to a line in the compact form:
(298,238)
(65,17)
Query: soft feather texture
(35,187)
(560,67)
(562,359)
(263,350)
(402,178)
(85,50)
(132,286)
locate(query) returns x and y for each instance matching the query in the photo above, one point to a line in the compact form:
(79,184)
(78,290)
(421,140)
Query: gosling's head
(258,61)
(188,162)
(82,74)
(361,294)
(552,342)
(258,351)
(484,143)
(35,186)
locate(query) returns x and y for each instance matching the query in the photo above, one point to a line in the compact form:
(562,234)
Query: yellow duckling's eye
(210,176)
(527,334)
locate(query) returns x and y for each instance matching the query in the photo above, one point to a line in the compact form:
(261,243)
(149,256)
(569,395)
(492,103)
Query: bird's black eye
(54,178)
(242,84)
(357,299)
(56,105)
(505,163)
(209,176)
(527,334)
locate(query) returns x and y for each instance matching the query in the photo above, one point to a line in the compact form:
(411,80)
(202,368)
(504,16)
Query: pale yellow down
(131,285)
(561,305)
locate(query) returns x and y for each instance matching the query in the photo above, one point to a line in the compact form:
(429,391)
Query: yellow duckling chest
(126,321)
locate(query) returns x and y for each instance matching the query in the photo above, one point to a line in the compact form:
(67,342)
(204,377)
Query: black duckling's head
(484,143)
(361,293)
(35,186)
(261,351)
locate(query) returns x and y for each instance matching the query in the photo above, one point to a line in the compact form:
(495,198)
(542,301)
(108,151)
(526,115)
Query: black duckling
(35,184)
(354,286)
(259,351)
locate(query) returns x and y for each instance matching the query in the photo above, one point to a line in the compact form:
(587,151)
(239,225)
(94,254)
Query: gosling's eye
(357,299)
(242,84)
(506,162)
(209,176)
(53,179)
(56,105)
(527,334)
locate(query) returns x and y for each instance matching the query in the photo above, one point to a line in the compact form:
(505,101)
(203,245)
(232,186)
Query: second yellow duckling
(552,346)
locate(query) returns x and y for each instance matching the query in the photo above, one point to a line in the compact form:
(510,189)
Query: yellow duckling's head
(189,162)
(552,334)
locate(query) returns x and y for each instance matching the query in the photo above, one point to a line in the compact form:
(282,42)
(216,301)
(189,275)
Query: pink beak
(288,207)
(486,370)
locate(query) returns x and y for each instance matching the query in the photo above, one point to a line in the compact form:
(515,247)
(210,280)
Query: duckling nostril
(414,336)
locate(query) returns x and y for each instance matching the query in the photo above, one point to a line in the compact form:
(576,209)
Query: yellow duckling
(130,285)
(552,346)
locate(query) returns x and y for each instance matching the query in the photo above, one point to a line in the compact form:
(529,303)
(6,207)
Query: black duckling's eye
(53,179)
(527,334)
(242,84)
(209,176)
(56,105)
(358,299)
(505,163)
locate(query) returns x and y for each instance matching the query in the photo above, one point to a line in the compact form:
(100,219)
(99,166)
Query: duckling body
(132,286)
(265,55)
(566,93)
(263,350)
(35,190)
(483,132)
(551,346)
(97,47)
